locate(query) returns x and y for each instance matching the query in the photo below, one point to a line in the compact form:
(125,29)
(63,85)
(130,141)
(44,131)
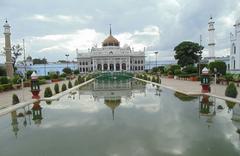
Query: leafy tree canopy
(188,53)
(219,65)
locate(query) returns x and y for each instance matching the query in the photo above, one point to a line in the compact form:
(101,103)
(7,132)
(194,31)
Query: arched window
(80,63)
(234,48)
(141,61)
(141,67)
(111,67)
(105,67)
(124,66)
(80,69)
(138,61)
(234,64)
(117,66)
(99,67)
(135,67)
(83,63)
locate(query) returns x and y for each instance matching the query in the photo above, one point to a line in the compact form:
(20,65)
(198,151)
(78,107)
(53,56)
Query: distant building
(111,57)
(225,59)
(29,61)
(235,48)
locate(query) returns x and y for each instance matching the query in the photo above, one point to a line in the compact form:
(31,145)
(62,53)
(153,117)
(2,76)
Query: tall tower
(7,48)
(211,42)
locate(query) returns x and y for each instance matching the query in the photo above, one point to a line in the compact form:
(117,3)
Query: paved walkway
(194,86)
(25,93)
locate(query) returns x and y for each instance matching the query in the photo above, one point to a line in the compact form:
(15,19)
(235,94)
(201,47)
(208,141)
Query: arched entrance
(105,67)
(124,66)
(99,67)
(111,67)
(117,67)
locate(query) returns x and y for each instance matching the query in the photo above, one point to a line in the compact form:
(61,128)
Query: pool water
(124,118)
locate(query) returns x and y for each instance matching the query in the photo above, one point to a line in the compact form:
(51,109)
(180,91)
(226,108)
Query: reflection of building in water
(113,91)
(37,113)
(14,122)
(207,108)
(112,103)
(236,112)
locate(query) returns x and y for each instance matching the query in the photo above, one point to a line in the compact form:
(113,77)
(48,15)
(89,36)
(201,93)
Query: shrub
(69,84)
(219,65)
(172,68)
(76,83)
(64,87)
(76,72)
(42,81)
(5,87)
(67,71)
(56,88)
(190,69)
(63,75)
(153,79)
(4,80)
(170,72)
(228,77)
(231,90)
(177,72)
(53,75)
(3,71)
(15,99)
(48,92)
(16,79)
(145,77)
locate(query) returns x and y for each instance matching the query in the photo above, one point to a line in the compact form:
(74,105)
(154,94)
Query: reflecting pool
(122,118)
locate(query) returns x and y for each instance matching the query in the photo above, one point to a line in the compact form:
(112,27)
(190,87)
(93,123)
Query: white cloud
(60,18)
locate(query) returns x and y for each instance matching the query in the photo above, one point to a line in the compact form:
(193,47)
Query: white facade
(211,41)
(111,57)
(235,48)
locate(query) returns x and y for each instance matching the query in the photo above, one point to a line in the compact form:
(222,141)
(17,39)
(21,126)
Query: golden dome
(112,103)
(110,40)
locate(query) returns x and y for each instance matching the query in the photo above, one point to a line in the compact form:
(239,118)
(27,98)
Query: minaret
(211,42)
(7,48)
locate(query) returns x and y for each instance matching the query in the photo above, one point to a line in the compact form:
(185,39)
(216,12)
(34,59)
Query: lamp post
(156,57)
(215,75)
(67,59)
(45,72)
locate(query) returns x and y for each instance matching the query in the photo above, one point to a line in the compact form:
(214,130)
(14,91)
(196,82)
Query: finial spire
(110,29)
(6,21)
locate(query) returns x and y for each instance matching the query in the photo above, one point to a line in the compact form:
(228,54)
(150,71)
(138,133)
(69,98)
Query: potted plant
(54,77)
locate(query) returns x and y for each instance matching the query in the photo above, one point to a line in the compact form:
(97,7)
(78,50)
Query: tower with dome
(111,57)
(235,48)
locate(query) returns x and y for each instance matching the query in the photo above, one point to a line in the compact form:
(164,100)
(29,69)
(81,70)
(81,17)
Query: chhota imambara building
(111,57)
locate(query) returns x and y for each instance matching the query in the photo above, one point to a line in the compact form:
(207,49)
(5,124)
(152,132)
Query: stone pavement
(194,86)
(25,94)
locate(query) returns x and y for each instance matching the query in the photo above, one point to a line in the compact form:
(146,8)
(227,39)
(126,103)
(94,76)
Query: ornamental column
(7,48)
(114,65)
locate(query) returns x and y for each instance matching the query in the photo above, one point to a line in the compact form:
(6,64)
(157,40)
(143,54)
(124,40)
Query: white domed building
(235,48)
(111,57)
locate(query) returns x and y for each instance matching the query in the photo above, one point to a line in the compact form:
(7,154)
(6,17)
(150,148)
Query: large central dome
(110,40)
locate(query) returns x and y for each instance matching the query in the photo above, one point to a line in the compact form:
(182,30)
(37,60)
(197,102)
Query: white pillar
(114,65)
(120,63)
(211,42)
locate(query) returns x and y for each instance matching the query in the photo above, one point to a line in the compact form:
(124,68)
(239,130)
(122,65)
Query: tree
(16,52)
(67,71)
(219,65)
(40,61)
(188,53)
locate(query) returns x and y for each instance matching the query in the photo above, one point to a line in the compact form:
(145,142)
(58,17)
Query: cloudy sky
(52,28)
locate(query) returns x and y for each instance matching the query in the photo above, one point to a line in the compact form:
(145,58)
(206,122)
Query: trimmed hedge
(64,87)
(70,84)
(48,92)
(6,87)
(15,99)
(231,90)
(56,88)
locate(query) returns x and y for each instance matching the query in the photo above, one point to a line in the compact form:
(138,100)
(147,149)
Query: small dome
(29,58)
(110,41)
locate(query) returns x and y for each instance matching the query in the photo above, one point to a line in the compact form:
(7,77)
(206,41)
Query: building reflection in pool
(112,91)
(21,115)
